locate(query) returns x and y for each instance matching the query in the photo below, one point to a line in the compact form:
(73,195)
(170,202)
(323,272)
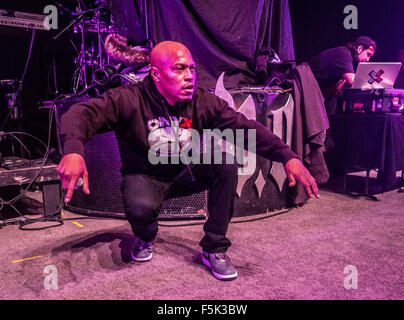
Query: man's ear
(360,49)
(155,73)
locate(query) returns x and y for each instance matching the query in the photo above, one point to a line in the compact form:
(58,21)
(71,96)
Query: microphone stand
(62,7)
(68,27)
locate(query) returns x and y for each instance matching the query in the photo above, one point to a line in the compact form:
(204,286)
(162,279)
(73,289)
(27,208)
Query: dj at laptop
(335,68)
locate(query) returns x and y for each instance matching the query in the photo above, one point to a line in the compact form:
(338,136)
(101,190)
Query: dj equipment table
(370,141)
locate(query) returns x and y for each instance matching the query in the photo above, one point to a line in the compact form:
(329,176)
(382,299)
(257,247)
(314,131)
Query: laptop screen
(374,75)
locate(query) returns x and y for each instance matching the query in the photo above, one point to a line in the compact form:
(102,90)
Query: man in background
(335,68)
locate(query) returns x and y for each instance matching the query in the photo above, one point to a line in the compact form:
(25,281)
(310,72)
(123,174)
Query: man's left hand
(295,170)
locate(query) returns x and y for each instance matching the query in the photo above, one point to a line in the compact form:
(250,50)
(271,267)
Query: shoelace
(221,257)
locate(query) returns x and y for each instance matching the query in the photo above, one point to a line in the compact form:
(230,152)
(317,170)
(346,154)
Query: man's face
(176,77)
(364,55)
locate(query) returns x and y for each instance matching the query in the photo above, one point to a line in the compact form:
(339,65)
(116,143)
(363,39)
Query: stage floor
(302,253)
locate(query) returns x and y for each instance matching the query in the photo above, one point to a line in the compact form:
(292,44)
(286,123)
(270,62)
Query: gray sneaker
(141,250)
(220,264)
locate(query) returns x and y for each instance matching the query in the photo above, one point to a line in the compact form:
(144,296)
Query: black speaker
(103,164)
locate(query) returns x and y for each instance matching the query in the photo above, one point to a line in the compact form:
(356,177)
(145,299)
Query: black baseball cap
(365,41)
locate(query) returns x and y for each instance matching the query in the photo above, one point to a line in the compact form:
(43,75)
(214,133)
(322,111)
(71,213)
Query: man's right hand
(71,167)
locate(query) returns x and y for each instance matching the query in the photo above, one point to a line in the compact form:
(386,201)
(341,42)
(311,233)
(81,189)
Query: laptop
(375,75)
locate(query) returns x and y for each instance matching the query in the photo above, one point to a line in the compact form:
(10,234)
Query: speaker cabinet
(103,164)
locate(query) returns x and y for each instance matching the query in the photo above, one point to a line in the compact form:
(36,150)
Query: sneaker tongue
(140,245)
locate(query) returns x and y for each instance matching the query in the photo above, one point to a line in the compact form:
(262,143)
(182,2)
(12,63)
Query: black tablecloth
(373,141)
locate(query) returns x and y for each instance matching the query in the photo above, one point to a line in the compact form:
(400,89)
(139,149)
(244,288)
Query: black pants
(143,197)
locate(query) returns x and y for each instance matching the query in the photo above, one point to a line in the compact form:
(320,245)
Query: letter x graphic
(187,123)
(376,76)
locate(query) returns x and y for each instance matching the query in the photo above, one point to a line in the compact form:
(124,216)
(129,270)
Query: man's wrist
(73,146)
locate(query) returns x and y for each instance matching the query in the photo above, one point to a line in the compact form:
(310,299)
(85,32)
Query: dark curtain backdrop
(318,25)
(223,36)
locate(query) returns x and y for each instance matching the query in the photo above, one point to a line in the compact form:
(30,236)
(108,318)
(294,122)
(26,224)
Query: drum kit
(95,69)
(93,35)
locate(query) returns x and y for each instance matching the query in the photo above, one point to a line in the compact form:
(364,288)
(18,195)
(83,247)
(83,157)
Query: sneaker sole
(148,258)
(216,275)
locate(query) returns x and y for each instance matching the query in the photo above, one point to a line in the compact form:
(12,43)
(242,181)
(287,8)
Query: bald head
(173,71)
(166,51)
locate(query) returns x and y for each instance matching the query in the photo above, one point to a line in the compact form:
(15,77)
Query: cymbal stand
(88,56)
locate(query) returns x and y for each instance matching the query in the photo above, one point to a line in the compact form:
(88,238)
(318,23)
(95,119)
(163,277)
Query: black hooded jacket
(134,111)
